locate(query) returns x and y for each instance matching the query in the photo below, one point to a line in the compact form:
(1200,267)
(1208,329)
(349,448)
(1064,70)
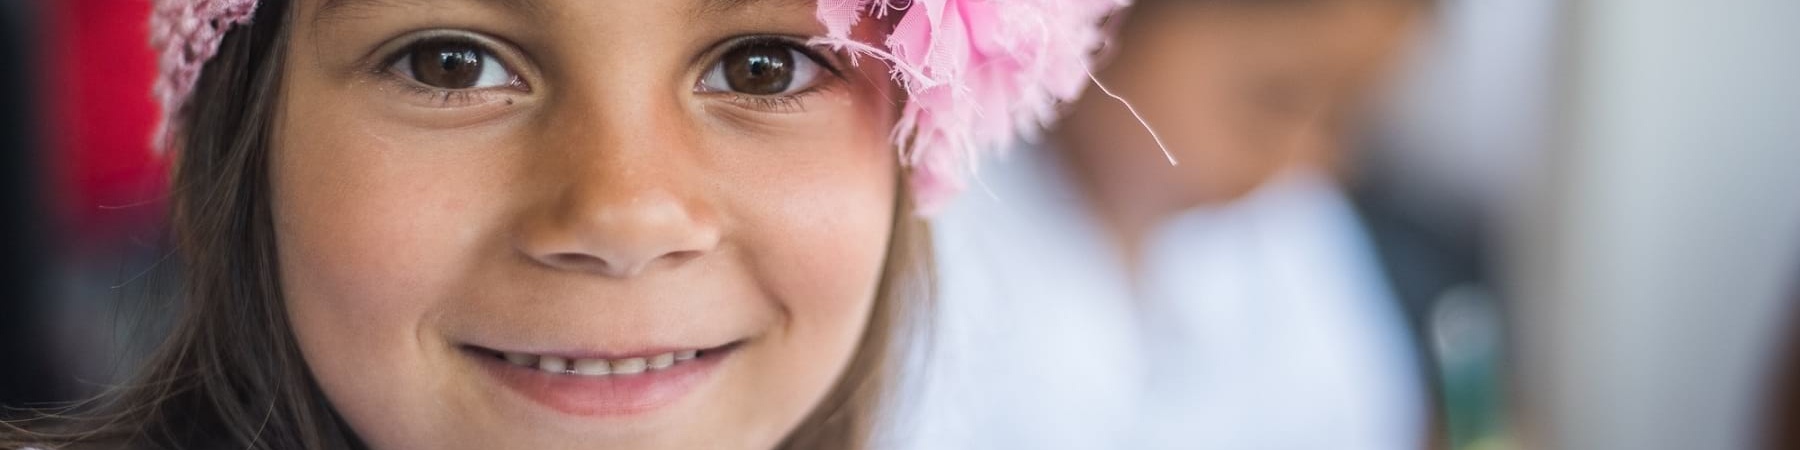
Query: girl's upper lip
(641,352)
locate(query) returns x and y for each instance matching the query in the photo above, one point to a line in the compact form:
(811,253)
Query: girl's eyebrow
(714,7)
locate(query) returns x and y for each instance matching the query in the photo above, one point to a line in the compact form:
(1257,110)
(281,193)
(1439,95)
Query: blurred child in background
(1097,296)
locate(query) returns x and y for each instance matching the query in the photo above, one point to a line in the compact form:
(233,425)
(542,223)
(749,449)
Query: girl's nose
(618,234)
(627,203)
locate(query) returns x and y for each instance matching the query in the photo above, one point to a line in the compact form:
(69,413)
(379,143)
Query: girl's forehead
(329,9)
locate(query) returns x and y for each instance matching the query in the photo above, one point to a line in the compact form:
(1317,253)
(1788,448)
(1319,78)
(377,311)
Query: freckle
(509,102)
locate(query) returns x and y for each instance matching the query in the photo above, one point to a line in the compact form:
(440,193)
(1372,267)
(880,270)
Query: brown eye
(452,64)
(759,69)
(762,69)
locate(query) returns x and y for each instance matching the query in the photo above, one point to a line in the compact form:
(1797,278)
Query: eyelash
(780,104)
(451,98)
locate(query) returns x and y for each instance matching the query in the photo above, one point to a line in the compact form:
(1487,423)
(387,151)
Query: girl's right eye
(452,64)
(766,67)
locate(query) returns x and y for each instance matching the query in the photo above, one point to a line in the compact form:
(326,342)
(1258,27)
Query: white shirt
(1264,324)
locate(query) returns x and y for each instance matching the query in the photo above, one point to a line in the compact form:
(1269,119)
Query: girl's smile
(604,384)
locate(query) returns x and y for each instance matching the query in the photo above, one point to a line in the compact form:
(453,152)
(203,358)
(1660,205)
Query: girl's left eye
(764,69)
(452,65)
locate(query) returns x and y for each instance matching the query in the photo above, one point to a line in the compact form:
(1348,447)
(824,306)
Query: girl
(441,224)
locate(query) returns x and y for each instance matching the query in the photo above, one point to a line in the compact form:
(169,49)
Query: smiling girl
(443,224)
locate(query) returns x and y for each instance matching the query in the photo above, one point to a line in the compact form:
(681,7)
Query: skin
(609,206)
(1240,91)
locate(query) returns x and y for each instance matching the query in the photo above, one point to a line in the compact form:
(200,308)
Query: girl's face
(577,223)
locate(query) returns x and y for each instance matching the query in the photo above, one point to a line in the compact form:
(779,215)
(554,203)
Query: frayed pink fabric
(187,33)
(979,74)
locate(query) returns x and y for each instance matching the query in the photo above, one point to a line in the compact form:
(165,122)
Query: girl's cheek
(374,221)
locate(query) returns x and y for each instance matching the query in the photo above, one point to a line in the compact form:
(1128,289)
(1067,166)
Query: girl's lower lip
(603,396)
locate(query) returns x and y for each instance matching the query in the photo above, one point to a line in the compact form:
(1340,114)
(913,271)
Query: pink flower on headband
(978,74)
(187,32)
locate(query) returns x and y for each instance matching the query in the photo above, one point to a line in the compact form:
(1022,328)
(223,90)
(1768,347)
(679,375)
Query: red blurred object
(108,184)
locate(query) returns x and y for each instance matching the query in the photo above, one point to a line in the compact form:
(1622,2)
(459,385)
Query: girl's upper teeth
(598,367)
(553,364)
(628,366)
(592,367)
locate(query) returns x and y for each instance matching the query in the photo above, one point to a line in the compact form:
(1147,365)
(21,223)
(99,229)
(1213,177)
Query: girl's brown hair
(230,374)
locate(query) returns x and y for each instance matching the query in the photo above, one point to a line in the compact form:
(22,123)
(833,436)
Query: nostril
(578,262)
(678,257)
(590,263)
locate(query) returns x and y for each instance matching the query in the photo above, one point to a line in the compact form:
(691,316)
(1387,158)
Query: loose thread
(1139,117)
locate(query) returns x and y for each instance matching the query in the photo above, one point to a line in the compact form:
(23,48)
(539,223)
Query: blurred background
(1624,176)
(80,201)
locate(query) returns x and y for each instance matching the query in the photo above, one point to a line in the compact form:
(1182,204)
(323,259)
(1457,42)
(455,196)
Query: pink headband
(979,74)
(187,32)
